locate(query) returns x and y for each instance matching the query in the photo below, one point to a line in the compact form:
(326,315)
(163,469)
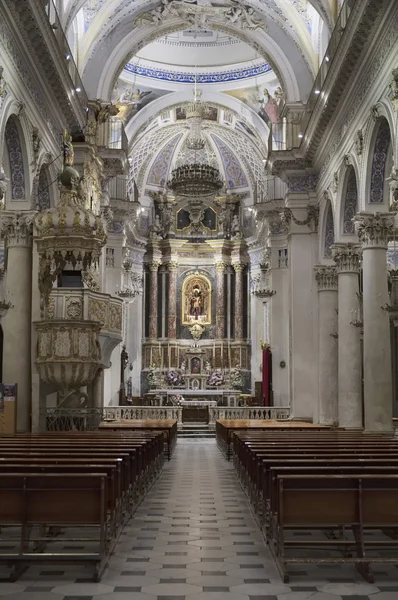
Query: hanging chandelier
(195,178)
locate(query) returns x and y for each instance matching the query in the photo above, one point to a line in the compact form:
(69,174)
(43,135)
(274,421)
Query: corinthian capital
(154,266)
(374,229)
(326,278)
(16,228)
(347,257)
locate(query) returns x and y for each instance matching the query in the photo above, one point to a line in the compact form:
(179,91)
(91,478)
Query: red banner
(267,377)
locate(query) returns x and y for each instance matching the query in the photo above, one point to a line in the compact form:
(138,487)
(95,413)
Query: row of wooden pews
(167,426)
(65,497)
(225,428)
(322,496)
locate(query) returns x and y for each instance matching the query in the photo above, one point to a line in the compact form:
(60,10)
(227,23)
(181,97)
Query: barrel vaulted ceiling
(148,55)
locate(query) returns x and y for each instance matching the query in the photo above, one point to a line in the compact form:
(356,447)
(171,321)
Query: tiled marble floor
(194,537)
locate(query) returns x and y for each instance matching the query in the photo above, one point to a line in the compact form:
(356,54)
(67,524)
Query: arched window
(329,232)
(15,163)
(350,202)
(382,150)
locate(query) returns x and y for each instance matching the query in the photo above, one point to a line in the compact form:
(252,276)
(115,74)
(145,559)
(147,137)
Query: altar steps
(195,430)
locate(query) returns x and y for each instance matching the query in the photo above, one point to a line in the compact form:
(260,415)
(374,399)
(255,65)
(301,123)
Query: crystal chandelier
(196,178)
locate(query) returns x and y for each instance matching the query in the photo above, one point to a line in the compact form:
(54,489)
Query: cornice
(360,33)
(38,39)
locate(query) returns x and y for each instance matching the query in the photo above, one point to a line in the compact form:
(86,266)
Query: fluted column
(220,300)
(374,230)
(172,316)
(326,278)
(239,268)
(17,232)
(153,299)
(347,259)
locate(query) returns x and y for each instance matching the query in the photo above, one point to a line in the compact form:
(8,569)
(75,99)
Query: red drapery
(267,377)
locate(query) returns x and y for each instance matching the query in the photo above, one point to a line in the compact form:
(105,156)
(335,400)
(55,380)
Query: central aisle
(194,537)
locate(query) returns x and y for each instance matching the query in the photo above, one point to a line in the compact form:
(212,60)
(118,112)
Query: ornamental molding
(17,227)
(200,78)
(371,72)
(33,26)
(393,88)
(326,278)
(374,230)
(312,219)
(347,257)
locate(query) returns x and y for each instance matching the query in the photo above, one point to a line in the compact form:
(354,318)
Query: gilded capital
(326,278)
(238,267)
(347,257)
(16,228)
(221,265)
(154,266)
(374,229)
(172,265)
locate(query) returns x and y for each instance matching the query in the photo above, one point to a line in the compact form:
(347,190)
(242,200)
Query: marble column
(347,259)
(172,316)
(220,300)
(239,273)
(374,230)
(153,299)
(17,232)
(326,278)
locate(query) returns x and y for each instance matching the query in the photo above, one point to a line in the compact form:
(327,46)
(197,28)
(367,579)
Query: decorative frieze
(347,257)
(374,229)
(326,278)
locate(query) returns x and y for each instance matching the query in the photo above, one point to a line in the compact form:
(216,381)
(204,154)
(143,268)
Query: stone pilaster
(17,232)
(326,278)
(347,258)
(239,270)
(172,267)
(374,231)
(220,299)
(153,299)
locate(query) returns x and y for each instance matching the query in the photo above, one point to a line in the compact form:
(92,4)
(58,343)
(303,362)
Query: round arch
(383,111)
(208,95)
(107,60)
(15,161)
(327,228)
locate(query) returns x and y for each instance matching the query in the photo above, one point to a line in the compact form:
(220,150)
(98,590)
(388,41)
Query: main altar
(196,344)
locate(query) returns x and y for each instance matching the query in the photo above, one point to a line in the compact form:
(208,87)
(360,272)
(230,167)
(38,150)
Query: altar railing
(249,413)
(88,419)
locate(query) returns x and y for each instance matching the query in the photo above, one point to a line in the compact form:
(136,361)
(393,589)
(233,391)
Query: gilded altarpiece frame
(196,300)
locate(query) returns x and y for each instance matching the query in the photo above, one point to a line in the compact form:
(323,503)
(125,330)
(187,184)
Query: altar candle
(214,351)
(168,353)
(229,354)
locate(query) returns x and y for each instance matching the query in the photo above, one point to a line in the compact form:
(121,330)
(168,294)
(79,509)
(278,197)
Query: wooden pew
(22,505)
(122,461)
(167,426)
(357,502)
(314,464)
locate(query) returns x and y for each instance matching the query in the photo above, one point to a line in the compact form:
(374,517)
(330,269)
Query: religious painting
(196,300)
(267,101)
(183,219)
(195,366)
(211,113)
(180,114)
(210,219)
